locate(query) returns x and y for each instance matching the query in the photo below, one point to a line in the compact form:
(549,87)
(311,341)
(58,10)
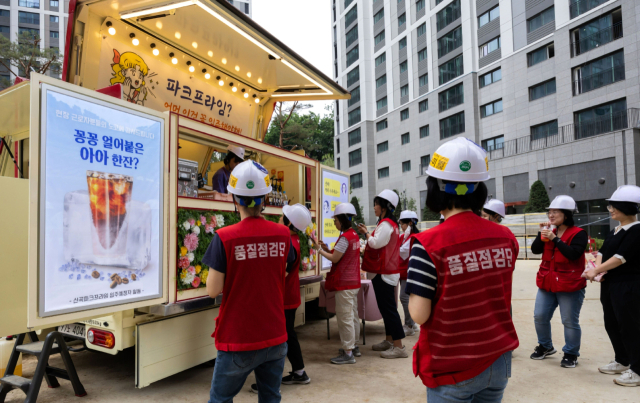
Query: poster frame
(320,210)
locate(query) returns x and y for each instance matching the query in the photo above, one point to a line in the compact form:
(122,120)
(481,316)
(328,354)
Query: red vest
(403,264)
(292,282)
(345,275)
(557,273)
(470,326)
(383,260)
(252,312)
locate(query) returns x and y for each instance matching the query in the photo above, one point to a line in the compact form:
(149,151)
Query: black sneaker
(295,379)
(540,353)
(569,361)
(356,351)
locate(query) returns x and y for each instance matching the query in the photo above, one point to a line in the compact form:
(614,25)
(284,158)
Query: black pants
(388,306)
(294,354)
(621,305)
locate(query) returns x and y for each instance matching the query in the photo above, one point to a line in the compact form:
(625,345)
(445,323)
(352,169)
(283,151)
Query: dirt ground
(372,379)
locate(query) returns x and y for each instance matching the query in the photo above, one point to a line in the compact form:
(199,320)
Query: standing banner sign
(101,204)
(335,190)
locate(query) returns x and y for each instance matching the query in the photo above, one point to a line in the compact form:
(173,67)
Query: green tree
(538,198)
(428,215)
(358,219)
(26,56)
(406,203)
(327,160)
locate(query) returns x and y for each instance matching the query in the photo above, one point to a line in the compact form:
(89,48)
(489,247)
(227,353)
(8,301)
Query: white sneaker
(613,368)
(628,378)
(383,346)
(416,327)
(395,352)
(408,331)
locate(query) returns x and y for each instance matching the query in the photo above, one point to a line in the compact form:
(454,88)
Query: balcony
(597,39)
(582,6)
(568,134)
(450,102)
(452,130)
(597,80)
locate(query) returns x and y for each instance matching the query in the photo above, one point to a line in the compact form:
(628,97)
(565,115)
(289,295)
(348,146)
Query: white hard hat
(496,206)
(249,178)
(345,208)
(459,160)
(626,193)
(390,196)
(563,202)
(408,215)
(442,216)
(239,151)
(298,215)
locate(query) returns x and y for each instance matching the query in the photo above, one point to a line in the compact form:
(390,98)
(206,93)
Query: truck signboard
(335,190)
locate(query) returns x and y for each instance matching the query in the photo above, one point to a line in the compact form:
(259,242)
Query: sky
(302,25)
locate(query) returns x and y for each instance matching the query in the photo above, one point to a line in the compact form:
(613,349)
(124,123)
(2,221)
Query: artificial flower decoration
(196,230)
(191,242)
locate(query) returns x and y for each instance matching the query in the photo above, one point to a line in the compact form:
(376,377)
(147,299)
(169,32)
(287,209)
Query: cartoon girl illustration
(130,70)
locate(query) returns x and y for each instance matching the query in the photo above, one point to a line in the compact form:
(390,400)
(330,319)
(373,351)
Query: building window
(424,163)
(351,36)
(352,56)
(355,157)
(423,80)
(381,103)
(381,59)
(542,90)
(577,7)
(542,19)
(381,81)
(378,16)
(354,137)
(54,34)
(422,55)
(29,3)
(451,97)
(449,42)
(404,114)
(53,18)
(424,131)
(450,70)
(423,106)
(53,3)
(596,33)
(338,146)
(383,173)
(5,13)
(598,73)
(405,139)
(378,38)
(489,47)
(489,16)
(347,3)
(355,97)
(246,8)
(593,211)
(540,55)
(338,163)
(382,147)
(354,116)
(600,119)
(351,16)
(356,181)
(402,19)
(404,91)
(544,130)
(353,76)
(404,66)
(491,109)
(5,30)
(420,5)
(402,43)
(31,31)
(491,77)
(448,15)
(28,18)
(406,166)
(422,29)
(381,125)
(495,143)
(452,125)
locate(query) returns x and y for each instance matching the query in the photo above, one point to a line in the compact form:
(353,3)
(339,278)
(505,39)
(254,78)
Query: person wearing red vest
(459,281)
(248,262)
(408,220)
(344,279)
(382,258)
(559,280)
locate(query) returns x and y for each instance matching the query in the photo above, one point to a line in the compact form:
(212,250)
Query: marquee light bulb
(249,74)
(207,76)
(258,100)
(210,53)
(234,89)
(192,69)
(224,60)
(260,81)
(246,95)
(177,34)
(237,68)
(156,52)
(174,60)
(221,82)
(195,45)
(112,31)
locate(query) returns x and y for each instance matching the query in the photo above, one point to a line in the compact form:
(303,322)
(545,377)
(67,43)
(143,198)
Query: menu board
(101,204)
(335,190)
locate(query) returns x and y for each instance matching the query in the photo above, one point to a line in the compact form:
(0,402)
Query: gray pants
(404,299)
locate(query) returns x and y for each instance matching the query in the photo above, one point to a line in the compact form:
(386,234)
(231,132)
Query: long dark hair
(438,200)
(385,204)
(412,225)
(345,223)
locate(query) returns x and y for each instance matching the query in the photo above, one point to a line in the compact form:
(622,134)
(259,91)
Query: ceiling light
(221,82)
(156,52)
(195,45)
(191,68)
(249,74)
(173,59)
(224,61)
(134,40)
(159,25)
(234,89)
(260,81)
(207,76)
(258,100)
(237,68)
(111,30)
(210,53)
(178,35)
(246,95)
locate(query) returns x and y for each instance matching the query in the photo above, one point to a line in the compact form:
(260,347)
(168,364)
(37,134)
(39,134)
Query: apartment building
(549,88)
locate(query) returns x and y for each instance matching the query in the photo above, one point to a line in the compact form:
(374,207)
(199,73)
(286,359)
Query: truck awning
(216,39)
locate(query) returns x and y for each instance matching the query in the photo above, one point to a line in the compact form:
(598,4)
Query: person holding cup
(559,280)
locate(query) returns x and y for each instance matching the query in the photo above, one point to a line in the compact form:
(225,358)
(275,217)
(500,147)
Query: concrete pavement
(373,379)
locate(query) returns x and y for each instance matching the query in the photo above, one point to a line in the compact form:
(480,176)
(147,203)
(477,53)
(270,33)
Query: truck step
(36,348)
(16,382)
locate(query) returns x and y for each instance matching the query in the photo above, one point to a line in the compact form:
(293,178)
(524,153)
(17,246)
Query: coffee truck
(106,203)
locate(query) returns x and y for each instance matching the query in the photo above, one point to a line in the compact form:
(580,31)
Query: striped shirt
(422,276)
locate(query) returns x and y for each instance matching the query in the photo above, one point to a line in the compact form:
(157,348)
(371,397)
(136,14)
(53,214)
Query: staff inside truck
(220,180)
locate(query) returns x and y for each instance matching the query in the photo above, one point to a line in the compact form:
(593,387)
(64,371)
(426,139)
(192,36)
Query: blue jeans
(488,387)
(570,305)
(233,368)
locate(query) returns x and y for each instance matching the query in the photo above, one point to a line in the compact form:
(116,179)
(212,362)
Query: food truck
(106,201)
